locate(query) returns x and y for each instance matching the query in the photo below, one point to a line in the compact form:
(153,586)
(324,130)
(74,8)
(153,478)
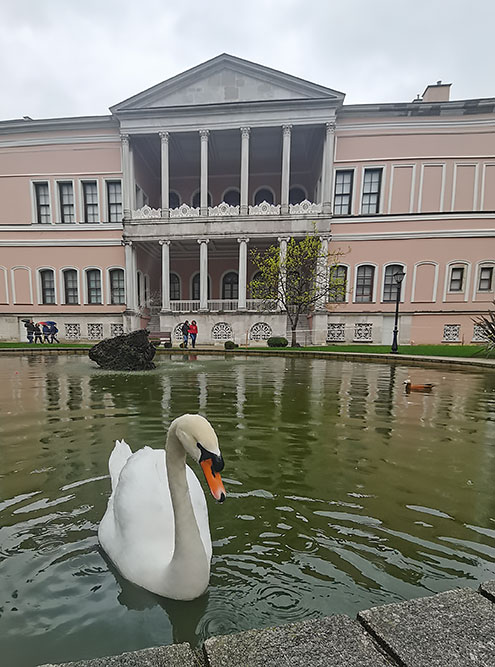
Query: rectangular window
(47,286)
(371,191)
(114,199)
(42,203)
(364,284)
(94,286)
(338,284)
(90,200)
(117,287)
(456,279)
(486,279)
(343,192)
(66,199)
(70,287)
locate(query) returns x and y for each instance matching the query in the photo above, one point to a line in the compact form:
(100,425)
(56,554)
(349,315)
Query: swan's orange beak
(214,480)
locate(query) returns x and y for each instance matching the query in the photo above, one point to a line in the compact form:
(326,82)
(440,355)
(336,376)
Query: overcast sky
(79,57)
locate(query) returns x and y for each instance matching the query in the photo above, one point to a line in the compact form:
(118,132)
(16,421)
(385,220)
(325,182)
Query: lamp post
(398,278)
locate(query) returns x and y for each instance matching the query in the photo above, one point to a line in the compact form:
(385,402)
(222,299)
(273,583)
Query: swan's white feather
(137,530)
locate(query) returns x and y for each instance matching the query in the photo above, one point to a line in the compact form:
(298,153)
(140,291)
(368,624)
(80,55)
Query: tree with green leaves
(487,325)
(299,280)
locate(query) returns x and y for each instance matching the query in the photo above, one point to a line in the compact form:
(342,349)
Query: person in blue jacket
(53,333)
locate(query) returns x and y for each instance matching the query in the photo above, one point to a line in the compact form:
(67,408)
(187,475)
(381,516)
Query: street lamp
(398,278)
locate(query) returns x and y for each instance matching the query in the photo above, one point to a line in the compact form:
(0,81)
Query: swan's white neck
(189,569)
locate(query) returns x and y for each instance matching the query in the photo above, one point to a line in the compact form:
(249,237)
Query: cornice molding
(89,243)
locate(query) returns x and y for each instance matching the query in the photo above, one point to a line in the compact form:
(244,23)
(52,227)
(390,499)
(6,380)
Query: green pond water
(343,493)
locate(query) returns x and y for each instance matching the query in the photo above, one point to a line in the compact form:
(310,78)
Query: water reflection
(344,492)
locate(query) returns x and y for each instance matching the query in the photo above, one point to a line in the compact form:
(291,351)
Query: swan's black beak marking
(217,463)
(212,464)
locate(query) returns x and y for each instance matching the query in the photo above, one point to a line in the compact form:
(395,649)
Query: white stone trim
(435,281)
(39,291)
(85,286)
(479,265)
(466,287)
(6,279)
(40,141)
(394,236)
(475,184)
(375,282)
(483,182)
(442,187)
(393,167)
(88,243)
(108,291)
(12,280)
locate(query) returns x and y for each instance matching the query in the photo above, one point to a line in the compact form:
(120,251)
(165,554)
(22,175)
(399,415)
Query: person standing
(53,333)
(37,334)
(46,333)
(193,332)
(185,333)
(29,330)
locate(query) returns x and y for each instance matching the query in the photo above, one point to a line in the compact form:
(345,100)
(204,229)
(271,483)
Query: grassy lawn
(54,346)
(418,350)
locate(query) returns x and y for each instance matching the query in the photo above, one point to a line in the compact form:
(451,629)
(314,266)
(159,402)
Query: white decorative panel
(305,208)
(178,332)
(260,331)
(479,334)
(146,212)
(223,209)
(72,331)
(95,331)
(336,332)
(363,332)
(184,211)
(222,331)
(451,333)
(265,209)
(116,330)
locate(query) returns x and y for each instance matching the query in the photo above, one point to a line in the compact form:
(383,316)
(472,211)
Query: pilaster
(286,141)
(245,134)
(204,134)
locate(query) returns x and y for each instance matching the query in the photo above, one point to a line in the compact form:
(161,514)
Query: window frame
(36,205)
(41,296)
(233,286)
(175,276)
(387,266)
(269,189)
(84,204)
(110,297)
(87,291)
(491,267)
(231,188)
(197,276)
(108,182)
(381,170)
(462,287)
(63,289)
(373,285)
(345,296)
(303,190)
(350,194)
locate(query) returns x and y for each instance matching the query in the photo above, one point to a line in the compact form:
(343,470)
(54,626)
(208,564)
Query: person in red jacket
(193,332)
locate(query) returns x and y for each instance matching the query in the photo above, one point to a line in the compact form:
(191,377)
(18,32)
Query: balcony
(218,305)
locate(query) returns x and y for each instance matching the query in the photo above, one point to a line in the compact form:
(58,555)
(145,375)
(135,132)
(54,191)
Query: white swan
(155,529)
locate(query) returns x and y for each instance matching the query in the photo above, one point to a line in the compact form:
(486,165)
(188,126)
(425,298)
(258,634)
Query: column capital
(204,134)
(330,127)
(126,242)
(245,132)
(124,138)
(163,242)
(324,238)
(286,130)
(203,240)
(243,238)
(164,136)
(280,239)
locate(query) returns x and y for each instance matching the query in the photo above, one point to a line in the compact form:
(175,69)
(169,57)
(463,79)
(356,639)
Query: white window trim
(467,275)
(81,212)
(62,285)
(12,280)
(34,208)
(483,183)
(105,215)
(435,281)
(484,263)
(375,281)
(365,168)
(393,167)
(301,186)
(85,286)
(174,273)
(6,279)
(353,191)
(197,191)
(475,185)
(348,290)
(208,284)
(442,187)
(39,288)
(231,187)
(109,286)
(264,187)
(220,285)
(403,284)
(58,208)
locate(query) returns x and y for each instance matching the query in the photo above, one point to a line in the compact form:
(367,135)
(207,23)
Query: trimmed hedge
(277,341)
(230,345)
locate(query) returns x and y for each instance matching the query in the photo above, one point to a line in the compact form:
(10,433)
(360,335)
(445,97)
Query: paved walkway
(452,629)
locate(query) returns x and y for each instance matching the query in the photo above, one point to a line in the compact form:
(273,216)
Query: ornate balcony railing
(225,210)
(219,305)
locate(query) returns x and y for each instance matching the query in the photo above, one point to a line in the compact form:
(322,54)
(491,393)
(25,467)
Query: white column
(126,175)
(164,137)
(132,178)
(327,184)
(245,132)
(165,275)
(134,277)
(283,240)
(242,272)
(129,286)
(284,199)
(203,274)
(204,172)
(322,271)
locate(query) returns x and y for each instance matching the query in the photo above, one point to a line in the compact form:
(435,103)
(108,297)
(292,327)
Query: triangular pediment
(226,79)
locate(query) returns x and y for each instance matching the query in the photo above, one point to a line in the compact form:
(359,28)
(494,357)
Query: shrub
(277,341)
(167,344)
(230,345)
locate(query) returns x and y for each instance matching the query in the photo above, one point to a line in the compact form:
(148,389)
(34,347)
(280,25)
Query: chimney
(437,92)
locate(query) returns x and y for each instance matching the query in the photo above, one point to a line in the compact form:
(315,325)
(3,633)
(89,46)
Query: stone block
(177,655)
(336,641)
(488,589)
(452,629)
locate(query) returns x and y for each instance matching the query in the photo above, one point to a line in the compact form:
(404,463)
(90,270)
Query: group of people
(189,331)
(41,332)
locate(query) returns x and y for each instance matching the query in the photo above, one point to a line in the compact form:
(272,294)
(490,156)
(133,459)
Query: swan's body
(155,529)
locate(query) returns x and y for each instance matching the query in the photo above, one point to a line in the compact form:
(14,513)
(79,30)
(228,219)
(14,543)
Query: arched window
(232,197)
(338,284)
(174,287)
(71,292)
(117,286)
(173,199)
(196,287)
(296,195)
(230,286)
(47,277)
(390,285)
(364,283)
(93,282)
(263,194)
(196,199)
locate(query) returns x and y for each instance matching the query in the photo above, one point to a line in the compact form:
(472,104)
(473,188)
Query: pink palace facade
(145,217)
